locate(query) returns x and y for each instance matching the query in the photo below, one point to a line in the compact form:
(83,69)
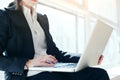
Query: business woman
(25,41)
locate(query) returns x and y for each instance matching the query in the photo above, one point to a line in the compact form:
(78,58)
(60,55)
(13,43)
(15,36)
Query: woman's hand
(100,59)
(42,60)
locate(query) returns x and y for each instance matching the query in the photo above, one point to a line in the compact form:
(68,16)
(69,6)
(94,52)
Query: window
(112,48)
(108,11)
(104,8)
(62,27)
(70,32)
(79,1)
(81,34)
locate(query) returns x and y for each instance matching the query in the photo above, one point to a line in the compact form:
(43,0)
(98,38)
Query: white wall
(4,3)
(104,8)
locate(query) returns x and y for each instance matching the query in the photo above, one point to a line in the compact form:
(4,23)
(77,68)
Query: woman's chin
(35,1)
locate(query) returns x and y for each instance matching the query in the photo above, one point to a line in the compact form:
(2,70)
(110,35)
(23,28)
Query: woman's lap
(85,74)
(89,74)
(47,76)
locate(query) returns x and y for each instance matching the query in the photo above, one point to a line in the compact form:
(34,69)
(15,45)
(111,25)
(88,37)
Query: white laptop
(94,48)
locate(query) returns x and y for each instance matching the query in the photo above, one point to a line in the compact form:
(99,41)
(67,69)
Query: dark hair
(11,4)
(17,4)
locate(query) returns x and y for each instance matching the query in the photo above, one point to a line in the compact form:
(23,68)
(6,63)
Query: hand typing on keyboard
(65,65)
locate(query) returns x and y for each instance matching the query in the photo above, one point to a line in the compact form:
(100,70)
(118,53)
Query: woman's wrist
(29,63)
(26,65)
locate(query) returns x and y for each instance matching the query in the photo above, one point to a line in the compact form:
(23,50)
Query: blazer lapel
(19,20)
(42,22)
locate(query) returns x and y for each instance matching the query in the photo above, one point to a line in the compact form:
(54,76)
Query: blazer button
(16,73)
(19,74)
(13,73)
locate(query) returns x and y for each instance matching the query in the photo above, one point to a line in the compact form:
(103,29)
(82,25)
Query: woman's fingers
(51,59)
(44,60)
(100,59)
(47,64)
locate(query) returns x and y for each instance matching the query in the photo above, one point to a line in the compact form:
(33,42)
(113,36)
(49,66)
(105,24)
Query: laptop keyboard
(65,65)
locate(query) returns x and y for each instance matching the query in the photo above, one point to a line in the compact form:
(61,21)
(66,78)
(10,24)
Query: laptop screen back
(95,45)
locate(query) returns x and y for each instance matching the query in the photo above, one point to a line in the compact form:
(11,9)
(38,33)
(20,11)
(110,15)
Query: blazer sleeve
(10,64)
(53,49)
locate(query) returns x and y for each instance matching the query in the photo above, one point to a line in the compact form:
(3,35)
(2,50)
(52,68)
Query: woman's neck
(30,7)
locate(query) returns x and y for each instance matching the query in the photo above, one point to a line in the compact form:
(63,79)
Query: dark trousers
(85,74)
